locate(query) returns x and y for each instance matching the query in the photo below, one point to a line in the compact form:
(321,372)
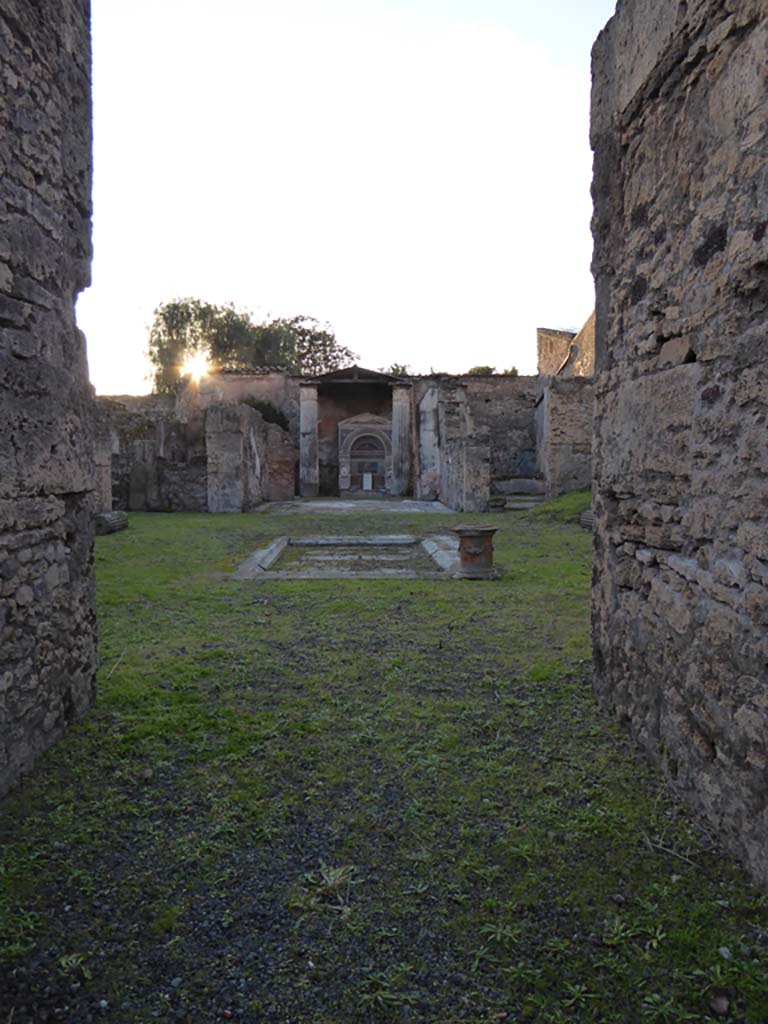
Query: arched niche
(365,455)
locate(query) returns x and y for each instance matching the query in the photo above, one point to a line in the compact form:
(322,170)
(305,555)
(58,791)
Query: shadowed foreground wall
(680,598)
(47,628)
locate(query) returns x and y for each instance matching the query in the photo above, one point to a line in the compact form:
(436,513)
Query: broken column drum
(475,552)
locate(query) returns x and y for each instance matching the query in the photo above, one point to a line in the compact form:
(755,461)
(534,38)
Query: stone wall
(680,599)
(583,362)
(157,461)
(282,460)
(581,353)
(552,348)
(237,470)
(279,389)
(465,452)
(47,499)
(506,408)
(564,418)
(426,453)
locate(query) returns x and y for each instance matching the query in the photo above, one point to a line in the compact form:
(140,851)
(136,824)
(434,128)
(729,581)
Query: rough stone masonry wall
(581,353)
(506,408)
(275,387)
(236,469)
(150,460)
(47,627)
(564,432)
(552,347)
(680,597)
(465,453)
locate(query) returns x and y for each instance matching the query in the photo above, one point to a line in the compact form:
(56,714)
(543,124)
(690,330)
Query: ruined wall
(680,597)
(157,462)
(506,408)
(552,348)
(47,624)
(465,452)
(426,451)
(273,386)
(564,419)
(236,464)
(582,361)
(282,458)
(150,460)
(103,442)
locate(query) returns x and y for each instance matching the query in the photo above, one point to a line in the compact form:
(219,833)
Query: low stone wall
(680,599)
(564,419)
(47,499)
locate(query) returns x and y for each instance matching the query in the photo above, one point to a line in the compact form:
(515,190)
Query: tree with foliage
(230,340)
(305,346)
(489,371)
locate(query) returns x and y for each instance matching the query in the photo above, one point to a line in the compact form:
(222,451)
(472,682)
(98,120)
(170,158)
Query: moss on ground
(324,802)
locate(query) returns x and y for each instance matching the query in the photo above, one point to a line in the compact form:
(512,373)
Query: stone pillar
(401,438)
(427,486)
(309,472)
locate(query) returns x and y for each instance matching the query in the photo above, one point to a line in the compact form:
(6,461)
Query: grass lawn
(339,802)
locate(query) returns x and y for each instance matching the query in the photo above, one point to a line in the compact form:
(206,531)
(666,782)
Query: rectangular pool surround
(379,556)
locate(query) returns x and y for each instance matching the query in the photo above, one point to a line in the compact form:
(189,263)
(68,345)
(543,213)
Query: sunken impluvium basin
(379,556)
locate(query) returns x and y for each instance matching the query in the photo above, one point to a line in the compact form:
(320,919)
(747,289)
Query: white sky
(415,172)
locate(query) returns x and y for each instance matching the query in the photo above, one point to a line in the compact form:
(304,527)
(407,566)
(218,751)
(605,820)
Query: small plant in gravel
(501,934)
(577,995)
(166,920)
(383,991)
(664,1010)
(327,888)
(74,964)
(617,932)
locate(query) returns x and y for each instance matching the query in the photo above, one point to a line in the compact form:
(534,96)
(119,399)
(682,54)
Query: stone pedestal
(401,439)
(475,552)
(309,472)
